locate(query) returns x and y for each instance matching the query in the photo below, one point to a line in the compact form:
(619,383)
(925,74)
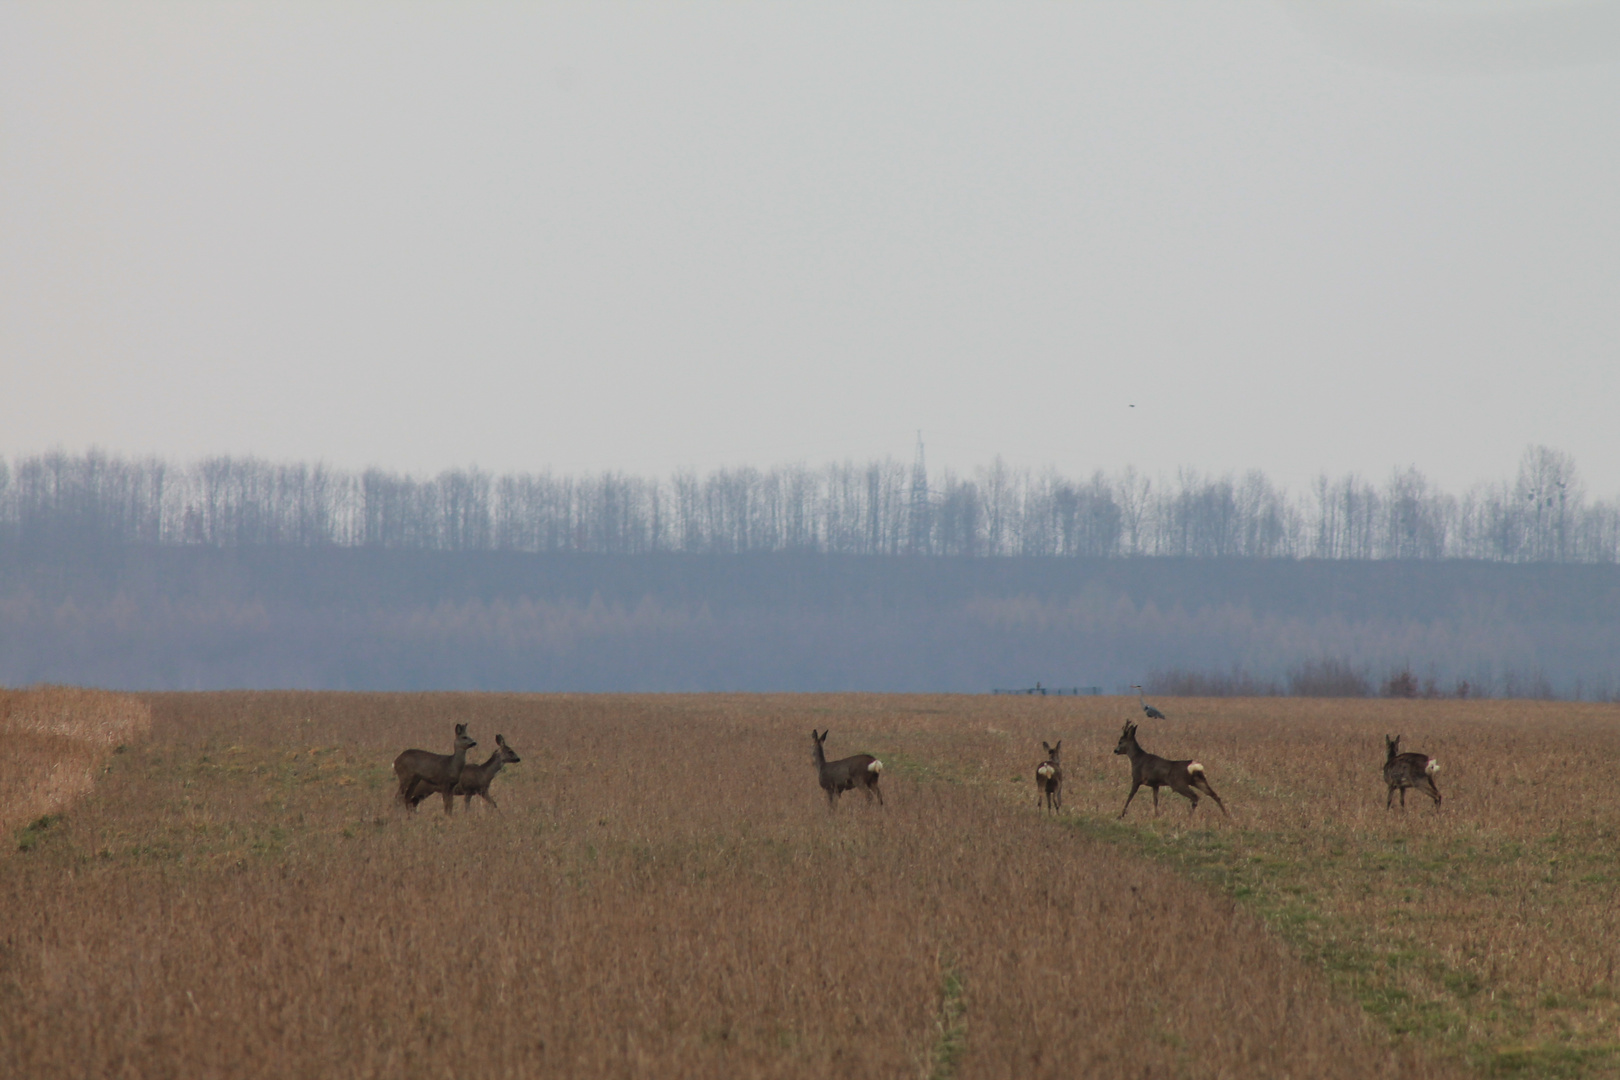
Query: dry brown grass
(54,740)
(1490,929)
(664,893)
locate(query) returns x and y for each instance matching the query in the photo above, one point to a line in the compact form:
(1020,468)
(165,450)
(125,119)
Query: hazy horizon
(1335,238)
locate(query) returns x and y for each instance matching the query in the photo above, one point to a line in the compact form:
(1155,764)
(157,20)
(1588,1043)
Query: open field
(53,743)
(663,893)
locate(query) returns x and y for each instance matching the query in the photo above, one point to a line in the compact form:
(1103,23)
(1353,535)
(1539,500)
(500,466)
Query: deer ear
(1058,747)
(500,740)
(461,729)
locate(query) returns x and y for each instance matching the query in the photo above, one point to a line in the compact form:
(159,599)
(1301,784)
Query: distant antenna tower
(921,525)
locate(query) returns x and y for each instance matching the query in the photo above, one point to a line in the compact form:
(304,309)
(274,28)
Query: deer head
(1126,739)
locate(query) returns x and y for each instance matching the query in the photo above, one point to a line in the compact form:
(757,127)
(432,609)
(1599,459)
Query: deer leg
(1203,785)
(1403,796)
(487,797)
(1389,803)
(1155,800)
(1185,790)
(878,792)
(1134,785)
(449,800)
(1057,794)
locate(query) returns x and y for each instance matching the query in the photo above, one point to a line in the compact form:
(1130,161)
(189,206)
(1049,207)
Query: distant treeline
(879,508)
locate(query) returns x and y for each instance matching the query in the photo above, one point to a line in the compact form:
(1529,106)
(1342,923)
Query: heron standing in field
(1150,711)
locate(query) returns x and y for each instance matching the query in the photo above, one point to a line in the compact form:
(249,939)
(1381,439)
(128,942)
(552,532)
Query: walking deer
(416,768)
(1049,779)
(1156,772)
(859,771)
(1402,771)
(475,779)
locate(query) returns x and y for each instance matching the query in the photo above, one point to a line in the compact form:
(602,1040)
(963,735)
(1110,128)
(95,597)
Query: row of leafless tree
(882,507)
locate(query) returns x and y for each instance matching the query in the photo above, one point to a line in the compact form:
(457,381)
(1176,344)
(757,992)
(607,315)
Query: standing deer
(1049,779)
(1156,772)
(1402,771)
(416,768)
(859,771)
(475,779)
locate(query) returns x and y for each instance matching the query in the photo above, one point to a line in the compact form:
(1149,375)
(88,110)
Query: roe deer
(1156,772)
(475,779)
(1049,779)
(1402,771)
(860,771)
(440,771)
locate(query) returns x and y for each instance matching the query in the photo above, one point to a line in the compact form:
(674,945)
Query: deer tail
(1431,768)
(876,768)
(1045,772)
(1195,769)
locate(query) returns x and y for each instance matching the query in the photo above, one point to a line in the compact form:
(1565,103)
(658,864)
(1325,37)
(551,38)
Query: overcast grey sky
(1328,236)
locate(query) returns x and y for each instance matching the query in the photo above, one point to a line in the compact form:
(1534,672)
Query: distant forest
(877,508)
(243,573)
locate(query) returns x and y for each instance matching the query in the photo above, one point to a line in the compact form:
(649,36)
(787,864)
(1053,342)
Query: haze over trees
(876,508)
(229,572)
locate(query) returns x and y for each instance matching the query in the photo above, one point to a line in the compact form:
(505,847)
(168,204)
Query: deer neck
(458,762)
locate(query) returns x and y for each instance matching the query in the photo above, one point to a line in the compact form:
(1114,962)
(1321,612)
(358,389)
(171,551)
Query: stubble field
(663,893)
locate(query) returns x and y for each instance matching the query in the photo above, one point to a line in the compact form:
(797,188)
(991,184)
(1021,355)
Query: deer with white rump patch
(416,768)
(1049,779)
(1402,771)
(1182,777)
(475,779)
(859,771)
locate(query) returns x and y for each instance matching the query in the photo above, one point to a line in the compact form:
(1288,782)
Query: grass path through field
(1489,931)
